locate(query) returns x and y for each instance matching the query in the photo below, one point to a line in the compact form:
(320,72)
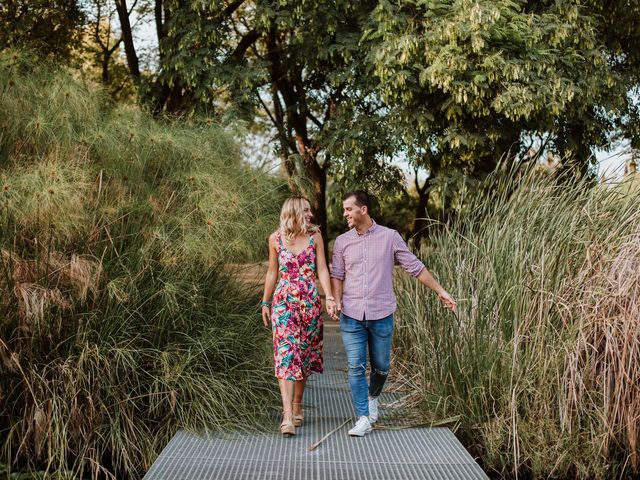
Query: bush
(119,322)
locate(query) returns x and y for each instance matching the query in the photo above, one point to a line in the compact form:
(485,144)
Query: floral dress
(296,316)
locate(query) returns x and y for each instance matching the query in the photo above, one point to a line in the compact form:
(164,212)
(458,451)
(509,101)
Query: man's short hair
(362,198)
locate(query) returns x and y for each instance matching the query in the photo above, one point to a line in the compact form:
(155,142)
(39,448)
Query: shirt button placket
(366,273)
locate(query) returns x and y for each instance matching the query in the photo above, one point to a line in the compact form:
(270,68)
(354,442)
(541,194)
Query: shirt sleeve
(402,256)
(337,260)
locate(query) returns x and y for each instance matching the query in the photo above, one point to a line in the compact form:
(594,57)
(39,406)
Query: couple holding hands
(358,293)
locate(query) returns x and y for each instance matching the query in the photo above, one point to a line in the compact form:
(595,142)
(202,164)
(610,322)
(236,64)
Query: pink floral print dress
(296,315)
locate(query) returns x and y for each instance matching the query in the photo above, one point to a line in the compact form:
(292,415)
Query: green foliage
(51,28)
(475,71)
(539,366)
(295,63)
(445,85)
(120,321)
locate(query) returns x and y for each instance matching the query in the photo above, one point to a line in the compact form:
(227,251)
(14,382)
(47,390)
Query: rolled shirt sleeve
(337,260)
(403,257)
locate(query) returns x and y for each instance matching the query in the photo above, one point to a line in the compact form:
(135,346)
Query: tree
(51,28)
(296,63)
(447,85)
(467,81)
(127,38)
(619,30)
(101,50)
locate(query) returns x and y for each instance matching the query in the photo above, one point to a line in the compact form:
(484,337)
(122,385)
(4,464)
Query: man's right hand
(336,311)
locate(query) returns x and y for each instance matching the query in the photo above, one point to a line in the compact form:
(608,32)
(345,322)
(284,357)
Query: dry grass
(605,359)
(541,363)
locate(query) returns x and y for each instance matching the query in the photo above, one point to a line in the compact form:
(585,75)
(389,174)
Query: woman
(296,252)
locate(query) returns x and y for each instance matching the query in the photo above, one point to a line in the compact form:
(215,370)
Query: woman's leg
(298,416)
(286,392)
(298,393)
(287,426)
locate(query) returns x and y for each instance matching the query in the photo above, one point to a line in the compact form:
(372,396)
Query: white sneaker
(373,410)
(362,427)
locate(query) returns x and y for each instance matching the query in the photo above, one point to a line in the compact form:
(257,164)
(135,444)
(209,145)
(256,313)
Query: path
(386,453)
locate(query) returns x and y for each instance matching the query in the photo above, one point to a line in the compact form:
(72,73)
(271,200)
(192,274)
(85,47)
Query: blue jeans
(358,336)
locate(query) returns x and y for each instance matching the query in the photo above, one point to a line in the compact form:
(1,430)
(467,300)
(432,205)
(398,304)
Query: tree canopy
(346,88)
(50,27)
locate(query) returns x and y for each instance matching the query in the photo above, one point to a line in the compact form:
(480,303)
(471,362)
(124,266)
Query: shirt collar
(371,229)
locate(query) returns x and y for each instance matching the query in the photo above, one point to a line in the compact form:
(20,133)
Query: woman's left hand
(331,308)
(266,315)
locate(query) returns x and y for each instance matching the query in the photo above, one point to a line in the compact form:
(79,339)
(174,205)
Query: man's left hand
(447,300)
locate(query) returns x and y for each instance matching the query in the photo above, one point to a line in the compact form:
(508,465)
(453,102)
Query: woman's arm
(323,273)
(270,280)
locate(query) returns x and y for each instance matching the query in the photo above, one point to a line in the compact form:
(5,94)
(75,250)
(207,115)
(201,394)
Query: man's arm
(337,275)
(427,280)
(413,266)
(336,287)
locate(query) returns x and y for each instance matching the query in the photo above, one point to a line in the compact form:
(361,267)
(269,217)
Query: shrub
(119,322)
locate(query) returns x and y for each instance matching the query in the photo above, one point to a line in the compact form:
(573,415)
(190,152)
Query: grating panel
(411,453)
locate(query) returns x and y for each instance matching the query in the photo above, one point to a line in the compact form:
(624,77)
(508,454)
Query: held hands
(333,308)
(337,311)
(447,300)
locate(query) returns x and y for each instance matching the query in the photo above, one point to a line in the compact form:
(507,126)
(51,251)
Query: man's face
(354,214)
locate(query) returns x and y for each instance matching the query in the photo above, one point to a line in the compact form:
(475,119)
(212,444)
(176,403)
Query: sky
(611,162)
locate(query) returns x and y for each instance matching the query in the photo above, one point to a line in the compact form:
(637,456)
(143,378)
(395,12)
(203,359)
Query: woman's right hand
(266,315)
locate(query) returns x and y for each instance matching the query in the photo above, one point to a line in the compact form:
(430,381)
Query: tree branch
(312,117)
(232,7)
(247,41)
(157,9)
(291,99)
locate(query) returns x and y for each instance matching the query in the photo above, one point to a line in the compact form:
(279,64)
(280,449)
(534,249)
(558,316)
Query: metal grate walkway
(410,453)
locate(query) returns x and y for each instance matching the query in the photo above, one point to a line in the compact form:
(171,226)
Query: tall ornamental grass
(540,367)
(118,322)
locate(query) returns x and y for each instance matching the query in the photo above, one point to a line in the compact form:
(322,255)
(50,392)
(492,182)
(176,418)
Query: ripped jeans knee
(357,370)
(381,373)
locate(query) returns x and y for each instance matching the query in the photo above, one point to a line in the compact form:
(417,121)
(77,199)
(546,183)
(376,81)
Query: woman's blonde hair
(292,222)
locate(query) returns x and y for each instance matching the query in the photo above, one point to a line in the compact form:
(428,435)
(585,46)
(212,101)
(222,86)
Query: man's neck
(365,226)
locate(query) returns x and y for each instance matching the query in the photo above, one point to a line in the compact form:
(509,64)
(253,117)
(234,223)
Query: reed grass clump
(119,322)
(539,370)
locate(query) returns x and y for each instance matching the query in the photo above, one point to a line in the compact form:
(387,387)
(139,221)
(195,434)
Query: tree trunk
(127,37)
(319,203)
(420,223)
(105,68)
(160,31)
(317,191)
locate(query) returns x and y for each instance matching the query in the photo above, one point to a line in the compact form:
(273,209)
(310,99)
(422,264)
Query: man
(361,280)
